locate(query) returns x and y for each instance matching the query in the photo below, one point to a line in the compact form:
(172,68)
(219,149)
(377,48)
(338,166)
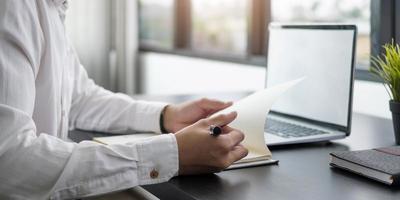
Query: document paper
(252,112)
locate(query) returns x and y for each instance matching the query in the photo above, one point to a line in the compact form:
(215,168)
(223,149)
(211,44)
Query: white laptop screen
(325,58)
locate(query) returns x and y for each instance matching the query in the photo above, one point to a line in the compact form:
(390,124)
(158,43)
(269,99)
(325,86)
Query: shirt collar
(61,3)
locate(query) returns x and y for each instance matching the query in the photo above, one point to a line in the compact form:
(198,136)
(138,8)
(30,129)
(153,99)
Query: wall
(371,98)
(171,74)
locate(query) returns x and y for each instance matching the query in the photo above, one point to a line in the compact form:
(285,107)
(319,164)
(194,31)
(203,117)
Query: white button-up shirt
(44,91)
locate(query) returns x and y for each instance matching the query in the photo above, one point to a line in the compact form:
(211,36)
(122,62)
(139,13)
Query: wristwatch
(162,128)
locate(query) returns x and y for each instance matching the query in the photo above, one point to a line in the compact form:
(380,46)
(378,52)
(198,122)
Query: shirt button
(154,174)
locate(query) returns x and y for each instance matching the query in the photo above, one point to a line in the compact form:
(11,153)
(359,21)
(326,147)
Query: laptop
(320,107)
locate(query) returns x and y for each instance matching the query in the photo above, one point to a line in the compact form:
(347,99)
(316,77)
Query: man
(44,91)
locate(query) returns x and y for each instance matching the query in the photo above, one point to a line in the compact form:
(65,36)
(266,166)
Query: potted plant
(387,68)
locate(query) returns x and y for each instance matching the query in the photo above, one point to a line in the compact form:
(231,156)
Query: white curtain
(104,33)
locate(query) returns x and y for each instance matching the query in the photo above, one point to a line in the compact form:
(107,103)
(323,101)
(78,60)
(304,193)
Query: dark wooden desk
(303,171)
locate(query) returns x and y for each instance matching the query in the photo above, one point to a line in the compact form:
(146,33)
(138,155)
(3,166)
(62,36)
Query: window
(156,22)
(236,30)
(331,11)
(227,30)
(219,30)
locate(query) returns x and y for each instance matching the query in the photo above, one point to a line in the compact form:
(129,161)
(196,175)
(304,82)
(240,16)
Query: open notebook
(252,112)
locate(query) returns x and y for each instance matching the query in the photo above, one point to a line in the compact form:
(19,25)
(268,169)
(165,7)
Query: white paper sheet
(252,112)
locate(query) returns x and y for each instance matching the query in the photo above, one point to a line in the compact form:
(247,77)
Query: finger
(227,129)
(238,153)
(222,119)
(236,137)
(213,105)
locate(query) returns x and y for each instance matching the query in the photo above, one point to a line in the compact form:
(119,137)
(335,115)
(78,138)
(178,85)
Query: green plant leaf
(387,68)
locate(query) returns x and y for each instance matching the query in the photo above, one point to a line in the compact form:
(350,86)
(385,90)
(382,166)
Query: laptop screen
(324,55)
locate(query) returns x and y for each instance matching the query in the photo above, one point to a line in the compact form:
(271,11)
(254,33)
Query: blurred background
(211,46)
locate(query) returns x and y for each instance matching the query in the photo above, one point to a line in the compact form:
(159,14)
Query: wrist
(162,121)
(169,114)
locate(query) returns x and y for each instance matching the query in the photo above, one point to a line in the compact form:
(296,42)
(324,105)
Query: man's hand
(200,152)
(177,117)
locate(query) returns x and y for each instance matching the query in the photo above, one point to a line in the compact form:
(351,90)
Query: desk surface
(303,171)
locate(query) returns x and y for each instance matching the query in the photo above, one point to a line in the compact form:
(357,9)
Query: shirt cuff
(158,159)
(146,116)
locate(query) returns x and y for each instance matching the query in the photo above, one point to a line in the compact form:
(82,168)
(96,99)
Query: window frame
(397,22)
(385,26)
(382,31)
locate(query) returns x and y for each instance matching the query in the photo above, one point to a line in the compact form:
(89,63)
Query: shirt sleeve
(45,167)
(94,108)
(39,166)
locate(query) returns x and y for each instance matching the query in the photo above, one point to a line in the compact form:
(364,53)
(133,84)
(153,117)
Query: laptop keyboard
(289,130)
